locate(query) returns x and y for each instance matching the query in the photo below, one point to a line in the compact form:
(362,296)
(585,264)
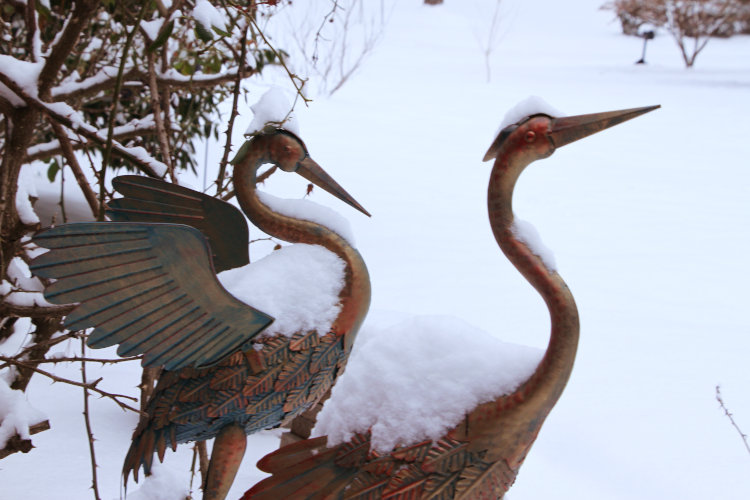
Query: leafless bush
(330,39)
(691,23)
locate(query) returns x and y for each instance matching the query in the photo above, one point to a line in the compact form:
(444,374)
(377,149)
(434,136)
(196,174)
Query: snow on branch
(136,128)
(18,421)
(135,77)
(67,116)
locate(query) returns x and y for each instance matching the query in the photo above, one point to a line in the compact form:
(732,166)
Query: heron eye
(530,136)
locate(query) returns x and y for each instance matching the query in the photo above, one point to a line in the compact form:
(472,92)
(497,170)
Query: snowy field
(649,222)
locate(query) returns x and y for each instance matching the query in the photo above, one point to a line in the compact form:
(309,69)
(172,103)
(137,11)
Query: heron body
(480,456)
(149,285)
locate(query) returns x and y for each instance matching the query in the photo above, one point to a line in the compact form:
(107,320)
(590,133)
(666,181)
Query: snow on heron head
(273,110)
(532,105)
(417,379)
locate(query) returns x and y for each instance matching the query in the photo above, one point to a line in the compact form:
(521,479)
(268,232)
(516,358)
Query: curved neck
(355,295)
(544,387)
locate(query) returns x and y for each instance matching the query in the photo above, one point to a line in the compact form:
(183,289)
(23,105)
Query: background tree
(691,23)
(90,86)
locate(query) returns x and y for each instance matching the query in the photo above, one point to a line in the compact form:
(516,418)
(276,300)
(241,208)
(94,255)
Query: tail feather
(292,454)
(145,443)
(303,470)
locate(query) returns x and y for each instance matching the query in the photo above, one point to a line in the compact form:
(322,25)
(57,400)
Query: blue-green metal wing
(152,200)
(149,288)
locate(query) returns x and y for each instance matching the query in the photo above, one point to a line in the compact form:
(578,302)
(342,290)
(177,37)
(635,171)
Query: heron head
(541,134)
(289,153)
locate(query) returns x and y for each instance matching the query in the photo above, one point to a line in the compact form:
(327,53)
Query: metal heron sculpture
(150,286)
(480,457)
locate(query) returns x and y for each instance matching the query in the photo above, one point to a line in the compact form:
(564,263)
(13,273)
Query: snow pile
(24,290)
(417,379)
(26,191)
(527,234)
(532,105)
(273,109)
(309,211)
(298,285)
(162,484)
(208,15)
(25,75)
(16,414)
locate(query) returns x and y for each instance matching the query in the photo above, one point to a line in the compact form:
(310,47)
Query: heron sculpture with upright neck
(148,283)
(480,456)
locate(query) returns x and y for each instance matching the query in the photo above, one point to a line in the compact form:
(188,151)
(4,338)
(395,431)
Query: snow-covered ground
(649,223)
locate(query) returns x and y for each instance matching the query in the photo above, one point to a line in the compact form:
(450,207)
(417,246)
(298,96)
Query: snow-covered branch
(135,78)
(83,10)
(137,128)
(68,117)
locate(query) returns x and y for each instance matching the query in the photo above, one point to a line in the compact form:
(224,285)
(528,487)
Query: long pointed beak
(315,174)
(569,129)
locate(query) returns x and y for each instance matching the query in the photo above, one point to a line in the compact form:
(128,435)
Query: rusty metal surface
(480,457)
(149,285)
(149,288)
(152,200)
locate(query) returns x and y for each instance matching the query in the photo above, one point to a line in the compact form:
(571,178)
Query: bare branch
(70,156)
(16,443)
(113,110)
(31,28)
(92,386)
(296,80)
(731,419)
(233,115)
(8,309)
(161,132)
(76,359)
(87,419)
(83,10)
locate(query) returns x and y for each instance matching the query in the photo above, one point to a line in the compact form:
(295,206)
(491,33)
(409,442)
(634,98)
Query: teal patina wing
(152,200)
(149,288)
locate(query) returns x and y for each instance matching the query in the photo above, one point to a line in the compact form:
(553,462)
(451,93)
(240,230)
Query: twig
(7,309)
(95,85)
(87,419)
(259,180)
(79,128)
(294,78)
(64,43)
(113,111)
(203,462)
(47,343)
(67,149)
(161,132)
(53,148)
(233,115)
(31,29)
(45,328)
(90,386)
(16,443)
(731,418)
(76,359)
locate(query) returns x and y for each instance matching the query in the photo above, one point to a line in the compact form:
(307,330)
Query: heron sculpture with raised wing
(480,456)
(149,285)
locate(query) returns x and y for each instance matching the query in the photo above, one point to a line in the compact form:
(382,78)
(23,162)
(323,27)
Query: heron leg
(226,457)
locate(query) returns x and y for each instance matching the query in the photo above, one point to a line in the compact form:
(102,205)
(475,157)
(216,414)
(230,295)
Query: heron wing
(153,200)
(149,288)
